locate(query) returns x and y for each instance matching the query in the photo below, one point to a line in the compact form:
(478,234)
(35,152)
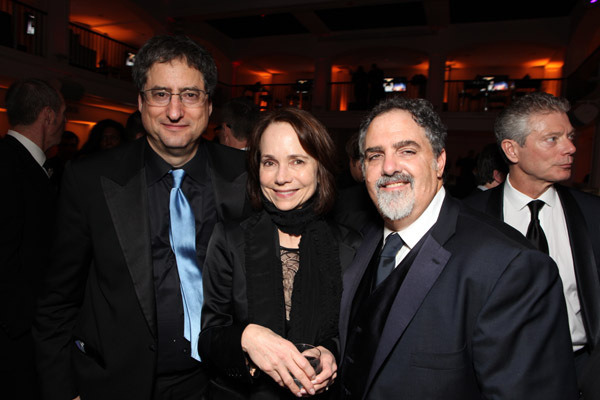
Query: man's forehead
(394,126)
(552,121)
(155,69)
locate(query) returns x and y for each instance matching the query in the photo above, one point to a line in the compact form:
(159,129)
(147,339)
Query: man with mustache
(538,141)
(443,301)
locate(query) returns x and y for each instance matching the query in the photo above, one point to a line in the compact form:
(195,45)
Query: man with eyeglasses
(120,314)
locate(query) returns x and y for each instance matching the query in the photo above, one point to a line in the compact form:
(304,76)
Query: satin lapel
(128,206)
(588,283)
(353,276)
(229,197)
(495,204)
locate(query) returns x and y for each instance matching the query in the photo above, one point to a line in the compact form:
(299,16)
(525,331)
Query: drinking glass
(313,355)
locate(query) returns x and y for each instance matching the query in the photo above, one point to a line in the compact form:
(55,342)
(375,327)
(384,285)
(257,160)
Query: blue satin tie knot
(387,258)
(182,233)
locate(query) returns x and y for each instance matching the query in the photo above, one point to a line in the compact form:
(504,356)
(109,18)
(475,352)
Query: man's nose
(175,108)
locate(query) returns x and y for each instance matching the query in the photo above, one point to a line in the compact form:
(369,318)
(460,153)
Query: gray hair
(422,113)
(513,121)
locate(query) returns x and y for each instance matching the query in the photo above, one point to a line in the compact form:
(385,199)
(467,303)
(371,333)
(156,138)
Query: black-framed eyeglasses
(189,97)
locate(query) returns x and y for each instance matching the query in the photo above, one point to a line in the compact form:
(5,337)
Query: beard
(397,204)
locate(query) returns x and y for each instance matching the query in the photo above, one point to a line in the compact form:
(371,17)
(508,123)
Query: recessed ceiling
(466,11)
(374,16)
(258,25)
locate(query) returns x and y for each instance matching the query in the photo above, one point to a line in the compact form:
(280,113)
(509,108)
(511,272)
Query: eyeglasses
(189,97)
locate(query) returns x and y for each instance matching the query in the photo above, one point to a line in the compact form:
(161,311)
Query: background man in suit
(116,316)
(537,139)
(456,305)
(491,168)
(36,112)
(238,118)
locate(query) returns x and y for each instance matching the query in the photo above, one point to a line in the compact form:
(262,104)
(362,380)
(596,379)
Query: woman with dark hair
(275,279)
(106,134)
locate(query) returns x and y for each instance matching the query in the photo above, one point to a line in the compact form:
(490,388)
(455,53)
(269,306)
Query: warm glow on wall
(542,62)
(425,65)
(451,64)
(554,65)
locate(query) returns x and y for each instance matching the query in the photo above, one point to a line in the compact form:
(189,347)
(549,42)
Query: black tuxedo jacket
(582,213)
(26,215)
(100,288)
(479,315)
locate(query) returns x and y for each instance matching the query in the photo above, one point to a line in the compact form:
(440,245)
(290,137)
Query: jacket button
(152,347)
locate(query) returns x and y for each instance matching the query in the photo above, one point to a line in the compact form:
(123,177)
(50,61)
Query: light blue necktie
(182,233)
(387,258)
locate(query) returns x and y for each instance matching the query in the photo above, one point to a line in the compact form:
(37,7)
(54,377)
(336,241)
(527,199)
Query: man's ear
(140,102)
(511,150)
(47,115)
(441,163)
(499,176)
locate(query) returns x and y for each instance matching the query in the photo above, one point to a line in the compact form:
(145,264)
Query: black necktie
(387,258)
(535,233)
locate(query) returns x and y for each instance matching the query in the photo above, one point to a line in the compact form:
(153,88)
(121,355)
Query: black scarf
(317,284)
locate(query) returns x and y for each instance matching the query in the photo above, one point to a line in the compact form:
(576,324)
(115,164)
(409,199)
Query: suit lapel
(424,272)
(584,262)
(127,201)
(353,276)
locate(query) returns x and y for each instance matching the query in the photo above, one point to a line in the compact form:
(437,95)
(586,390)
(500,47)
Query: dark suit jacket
(225,312)
(479,315)
(582,213)
(26,215)
(100,288)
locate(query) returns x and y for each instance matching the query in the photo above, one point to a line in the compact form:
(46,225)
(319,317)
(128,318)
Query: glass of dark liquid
(313,355)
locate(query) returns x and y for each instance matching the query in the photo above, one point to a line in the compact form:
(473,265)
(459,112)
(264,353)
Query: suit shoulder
(478,200)
(481,225)
(224,158)
(120,163)
(344,233)
(584,199)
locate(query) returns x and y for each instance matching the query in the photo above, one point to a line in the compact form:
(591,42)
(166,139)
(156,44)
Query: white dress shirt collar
(32,148)
(520,200)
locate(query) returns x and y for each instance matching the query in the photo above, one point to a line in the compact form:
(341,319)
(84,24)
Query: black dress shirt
(173,348)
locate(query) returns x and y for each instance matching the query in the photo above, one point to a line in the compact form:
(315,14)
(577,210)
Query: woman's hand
(279,359)
(328,372)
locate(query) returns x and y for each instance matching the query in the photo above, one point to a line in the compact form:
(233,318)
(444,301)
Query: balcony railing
(22,27)
(98,53)
(272,96)
(488,95)
(459,95)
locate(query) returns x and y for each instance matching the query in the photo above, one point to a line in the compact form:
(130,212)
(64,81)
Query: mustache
(398,176)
